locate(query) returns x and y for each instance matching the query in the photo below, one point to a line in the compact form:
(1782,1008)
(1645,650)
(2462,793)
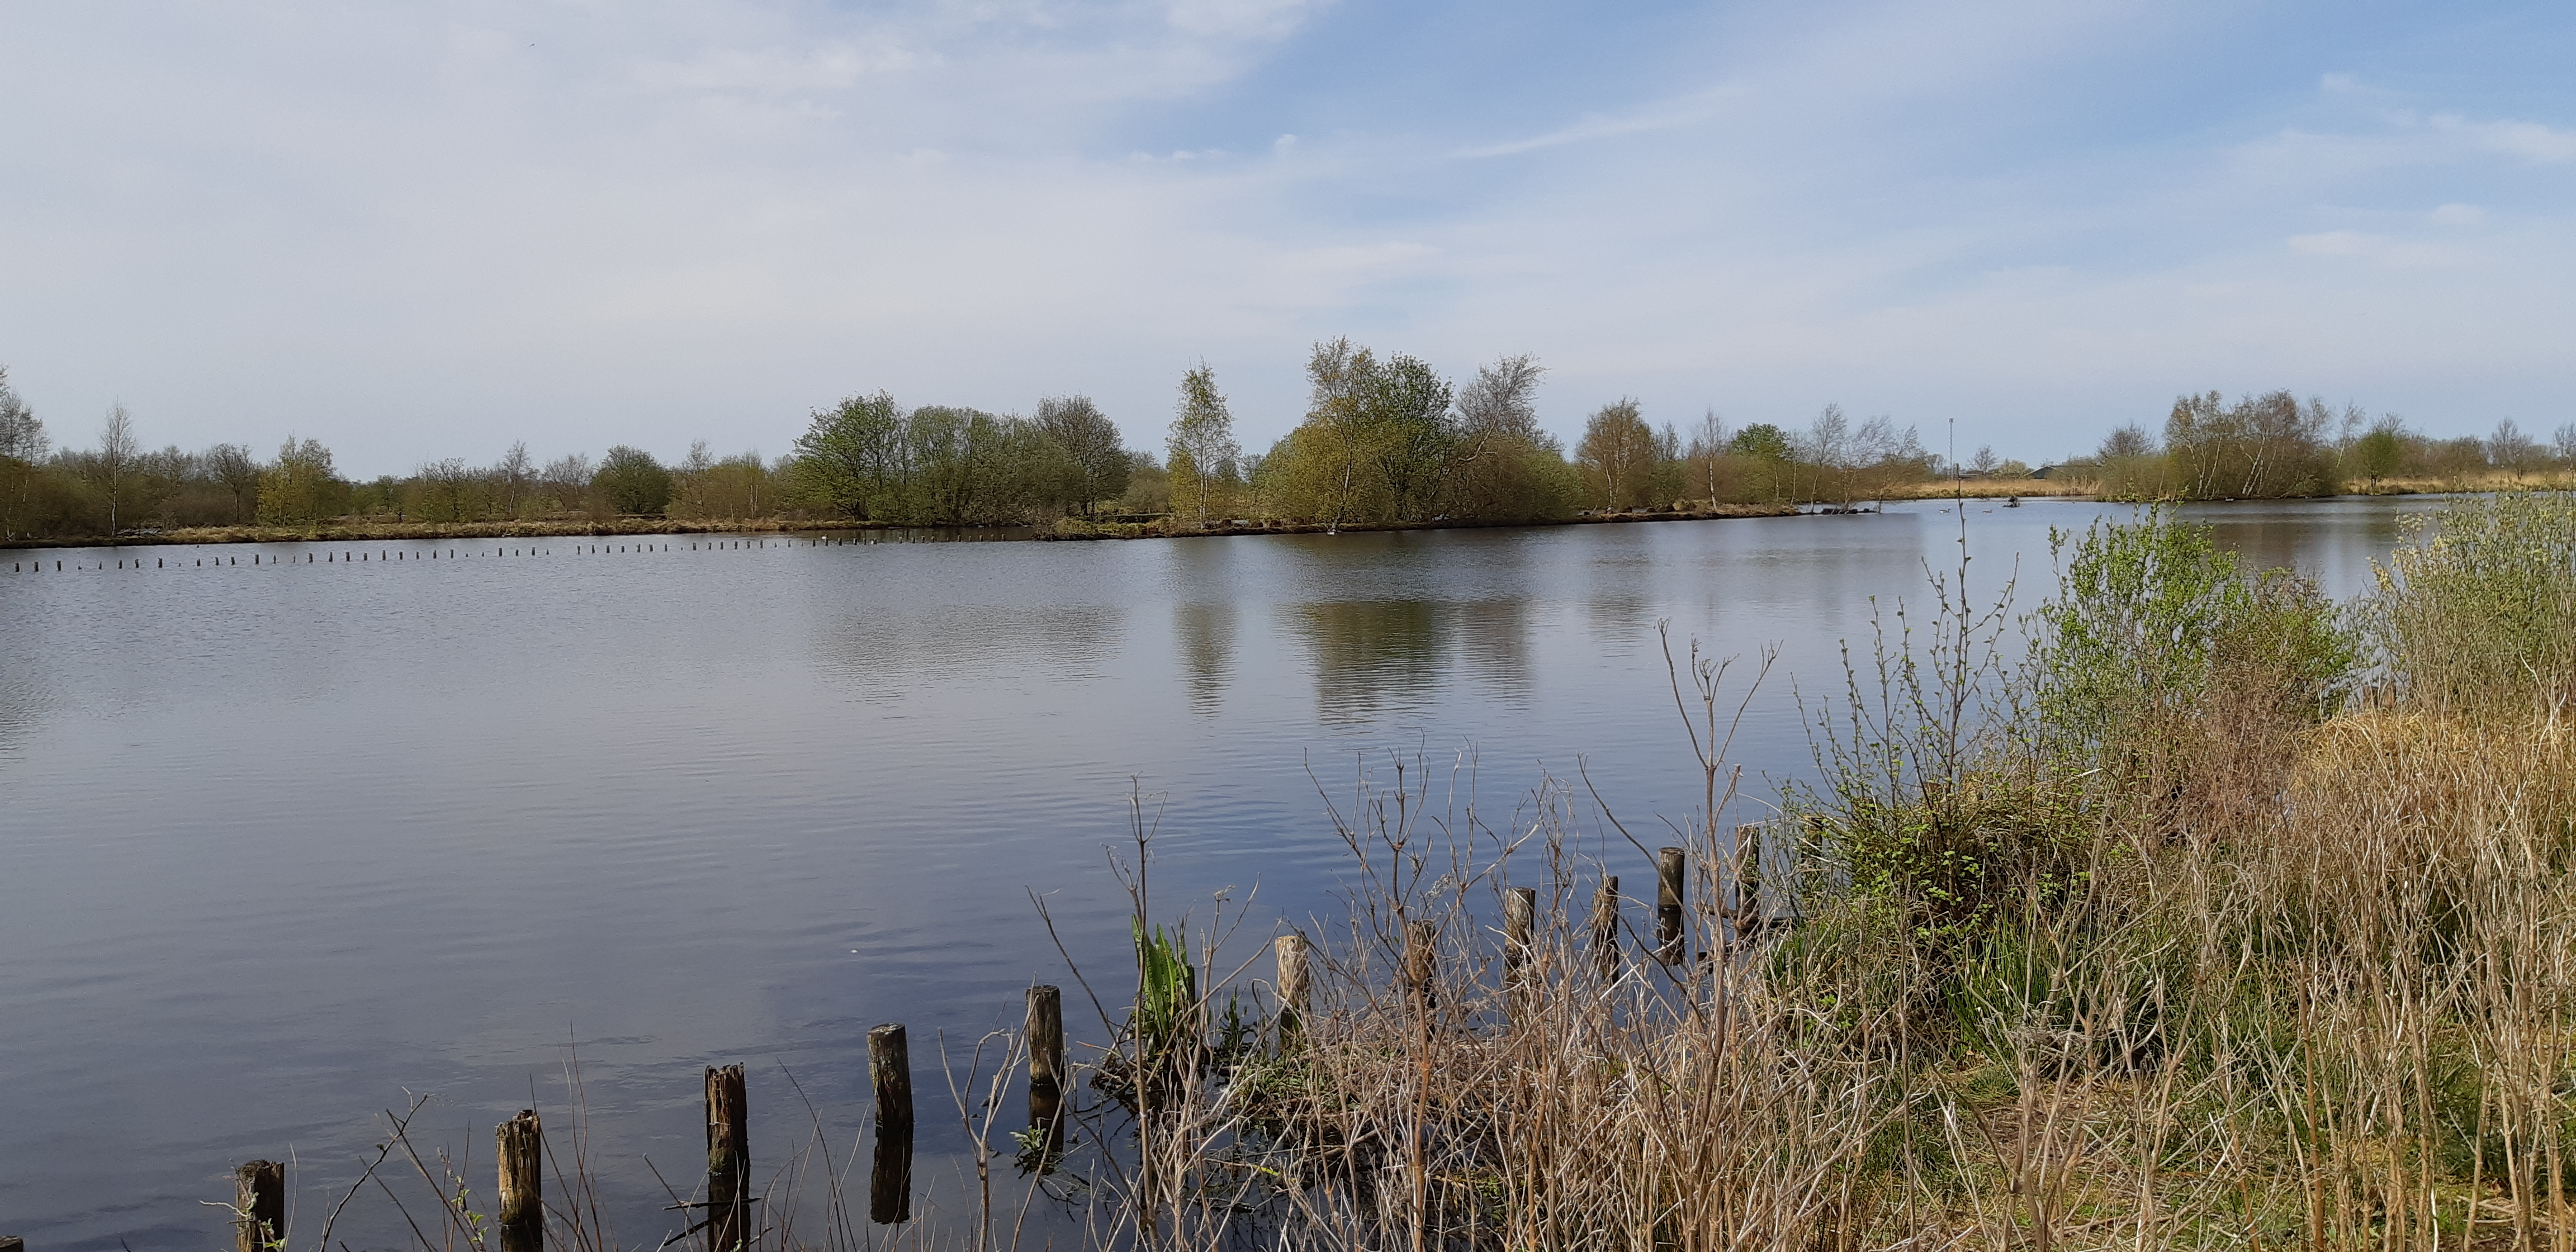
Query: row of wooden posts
(343,558)
(261,1185)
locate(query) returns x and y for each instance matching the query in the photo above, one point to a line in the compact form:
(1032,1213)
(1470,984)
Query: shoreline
(1078,531)
(422,532)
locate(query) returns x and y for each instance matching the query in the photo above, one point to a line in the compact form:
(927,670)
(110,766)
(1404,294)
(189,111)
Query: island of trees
(1385,440)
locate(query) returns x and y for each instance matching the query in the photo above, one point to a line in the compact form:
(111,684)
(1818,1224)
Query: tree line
(2271,446)
(1383,439)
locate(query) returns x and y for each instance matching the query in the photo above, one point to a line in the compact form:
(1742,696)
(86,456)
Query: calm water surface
(280,843)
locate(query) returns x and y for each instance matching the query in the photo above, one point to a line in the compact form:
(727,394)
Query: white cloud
(2459,215)
(2530,141)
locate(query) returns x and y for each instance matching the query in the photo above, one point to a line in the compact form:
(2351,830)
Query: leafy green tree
(1617,456)
(632,483)
(1092,443)
(1411,433)
(1761,441)
(444,489)
(1202,452)
(2377,455)
(856,457)
(299,488)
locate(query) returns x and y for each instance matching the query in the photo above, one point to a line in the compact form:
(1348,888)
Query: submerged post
(1046,1061)
(728,1161)
(1605,927)
(521,1153)
(890,1183)
(259,1206)
(1290,952)
(1672,945)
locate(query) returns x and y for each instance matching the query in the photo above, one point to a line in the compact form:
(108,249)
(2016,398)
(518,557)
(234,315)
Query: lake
(281,842)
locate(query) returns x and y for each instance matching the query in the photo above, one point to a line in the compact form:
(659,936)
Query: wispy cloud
(1690,110)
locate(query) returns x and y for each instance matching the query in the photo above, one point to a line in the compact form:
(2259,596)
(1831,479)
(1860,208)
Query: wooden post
(1421,963)
(1520,918)
(728,1161)
(1046,1061)
(1605,928)
(259,1206)
(890,1184)
(1290,952)
(1748,881)
(1672,940)
(12,1243)
(521,1152)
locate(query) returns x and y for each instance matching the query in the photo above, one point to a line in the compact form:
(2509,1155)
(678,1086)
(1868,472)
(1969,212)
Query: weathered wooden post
(1520,918)
(521,1152)
(1290,952)
(1046,1061)
(728,1161)
(1421,964)
(1672,941)
(12,1243)
(1748,881)
(259,1206)
(890,1183)
(1605,928)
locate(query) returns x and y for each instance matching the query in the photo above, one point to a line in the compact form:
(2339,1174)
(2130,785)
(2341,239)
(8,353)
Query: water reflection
(890,654)
(1207,651)
(1370,657)
(1493,639)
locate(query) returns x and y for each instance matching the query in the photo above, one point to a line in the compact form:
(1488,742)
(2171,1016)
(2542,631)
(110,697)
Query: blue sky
(422,231)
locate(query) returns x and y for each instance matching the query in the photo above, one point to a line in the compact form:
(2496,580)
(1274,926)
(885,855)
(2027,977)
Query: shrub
(2477,611)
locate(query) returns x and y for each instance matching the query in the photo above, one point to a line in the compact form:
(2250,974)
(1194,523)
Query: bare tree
(567,479)
(2509,448)
(117,453)
(22,437)
(513,477)
(692,479)
(235,467)
(22,444)
(2565,440)
(1708,453)
(1503,399)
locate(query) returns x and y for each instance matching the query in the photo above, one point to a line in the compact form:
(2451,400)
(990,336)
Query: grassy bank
(1166,528)
(355,530)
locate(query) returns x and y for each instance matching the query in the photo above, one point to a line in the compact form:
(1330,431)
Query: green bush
(2478,609)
